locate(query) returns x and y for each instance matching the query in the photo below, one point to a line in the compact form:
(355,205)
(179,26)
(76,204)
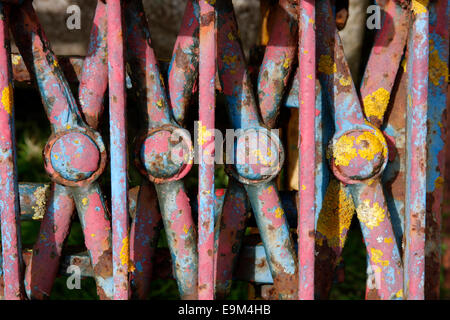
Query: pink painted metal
(307,147)
(118,151)
(9,198)
(416,126)
(207,104)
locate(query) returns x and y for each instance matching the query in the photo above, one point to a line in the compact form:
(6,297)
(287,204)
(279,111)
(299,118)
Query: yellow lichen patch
(229,59)
(92,235)
(68,126)
(344,150)
(309,76)
(84,201)
(261,159)
(41,200)
(345,81)
(399,294)
(15,59)
(286,63)
(375,104)
(203,135)
(303,187)
(388,240)
(439,182)
(371,216)
(185,229)
(373,146)
(376,256)
(230,36)
(279,212)
(437,67)
(327,65)
(7,98)
(419,6)
(124,254)
(335,216)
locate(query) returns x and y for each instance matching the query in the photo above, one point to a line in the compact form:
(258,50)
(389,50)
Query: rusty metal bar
(207,105)
(307,147)
(437,101)
(9,195)
(417,68)
(118,151)
(257,178)
(154,155)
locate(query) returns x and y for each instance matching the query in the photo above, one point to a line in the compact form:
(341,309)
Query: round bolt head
(75,156)
(258,156)
(359,155)
(165,154)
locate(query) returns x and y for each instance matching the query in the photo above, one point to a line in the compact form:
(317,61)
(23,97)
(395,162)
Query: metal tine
(173,201)
(207,105)
(12,261)
(387,51)
(183,70)
(362,175)
(307,148)
(437,101)
(416,137)
(90,199)
(279,59)
(263,195)
(376,90)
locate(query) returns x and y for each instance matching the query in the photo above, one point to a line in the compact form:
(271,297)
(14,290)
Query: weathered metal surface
(118,137)
(385,148)
(183,71)
(260,188)
(358,155)
(154,151)
(278,61)
(436,134)
(65,159)
(416,135)
(9,197)
(207,105)
(307,148)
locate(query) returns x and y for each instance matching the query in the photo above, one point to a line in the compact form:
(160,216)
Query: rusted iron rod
(118,152)
(307,148)
(416,135)
(183,70)
(154,155)
(207,104)
(437,101)
(9,195)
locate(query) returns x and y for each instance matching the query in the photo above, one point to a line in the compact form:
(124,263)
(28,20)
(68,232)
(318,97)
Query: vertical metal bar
(183,72)
(307,147)
(437,95)
(207,103)
(118,150)
(9,194)
(416,133)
